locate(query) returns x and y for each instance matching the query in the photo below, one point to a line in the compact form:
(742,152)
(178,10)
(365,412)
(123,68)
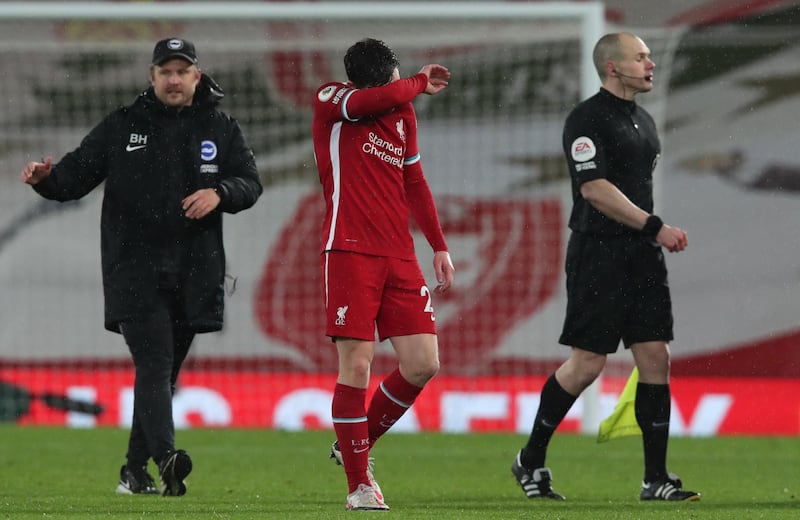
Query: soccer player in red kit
(365,146)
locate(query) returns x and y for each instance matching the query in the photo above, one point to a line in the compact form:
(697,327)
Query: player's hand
(437,77)
(200,203)
(33,172)
(445,272)
(674,239)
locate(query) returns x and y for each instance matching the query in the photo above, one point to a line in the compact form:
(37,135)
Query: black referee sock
(554,404)
(652,408)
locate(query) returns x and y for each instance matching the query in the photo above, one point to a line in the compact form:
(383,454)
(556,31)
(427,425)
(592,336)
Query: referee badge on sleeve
(583,151)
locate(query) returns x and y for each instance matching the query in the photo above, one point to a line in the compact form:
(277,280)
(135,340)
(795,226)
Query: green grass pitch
(256,474)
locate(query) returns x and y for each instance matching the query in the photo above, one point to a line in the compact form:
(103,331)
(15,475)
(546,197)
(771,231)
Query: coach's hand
(445,272)
(33,172)
(200,203)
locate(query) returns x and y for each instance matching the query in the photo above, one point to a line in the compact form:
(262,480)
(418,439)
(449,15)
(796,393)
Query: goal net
(491,150)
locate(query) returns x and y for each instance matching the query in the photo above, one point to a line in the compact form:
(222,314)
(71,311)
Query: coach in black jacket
(172,163)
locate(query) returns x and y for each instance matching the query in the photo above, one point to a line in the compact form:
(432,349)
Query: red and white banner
(302,401)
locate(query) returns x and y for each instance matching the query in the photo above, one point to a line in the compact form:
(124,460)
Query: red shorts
(363,292)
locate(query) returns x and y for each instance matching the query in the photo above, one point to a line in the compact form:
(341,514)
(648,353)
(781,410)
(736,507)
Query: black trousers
(159,345)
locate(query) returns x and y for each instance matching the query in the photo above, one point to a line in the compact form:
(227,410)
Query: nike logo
(660,424)
(132,148)
(360,450)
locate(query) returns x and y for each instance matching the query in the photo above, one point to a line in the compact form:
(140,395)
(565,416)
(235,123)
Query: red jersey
(365,146)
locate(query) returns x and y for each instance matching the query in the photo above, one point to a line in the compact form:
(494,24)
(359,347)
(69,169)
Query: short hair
(369,63)
(607,48)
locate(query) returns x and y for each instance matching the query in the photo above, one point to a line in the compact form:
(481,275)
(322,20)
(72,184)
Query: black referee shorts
(617,289)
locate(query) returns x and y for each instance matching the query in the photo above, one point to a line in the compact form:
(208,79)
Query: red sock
(352,432)
(391,400)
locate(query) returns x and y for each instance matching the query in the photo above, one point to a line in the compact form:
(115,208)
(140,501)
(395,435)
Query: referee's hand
(674,239)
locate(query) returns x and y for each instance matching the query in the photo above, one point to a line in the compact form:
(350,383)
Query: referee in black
(616,275)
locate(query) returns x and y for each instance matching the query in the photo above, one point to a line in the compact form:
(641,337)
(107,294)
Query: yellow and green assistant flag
(622,421)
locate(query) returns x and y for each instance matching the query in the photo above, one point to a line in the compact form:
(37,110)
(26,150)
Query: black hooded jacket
(152,156)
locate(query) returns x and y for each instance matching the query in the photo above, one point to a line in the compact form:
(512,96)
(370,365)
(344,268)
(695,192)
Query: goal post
(491,150)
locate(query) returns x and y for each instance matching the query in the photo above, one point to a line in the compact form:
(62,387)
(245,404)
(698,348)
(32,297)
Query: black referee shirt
(606,137)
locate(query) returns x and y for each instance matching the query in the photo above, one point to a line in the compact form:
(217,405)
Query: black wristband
(652,226)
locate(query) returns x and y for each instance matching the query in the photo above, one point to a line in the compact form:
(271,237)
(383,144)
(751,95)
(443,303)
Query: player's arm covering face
(339,101)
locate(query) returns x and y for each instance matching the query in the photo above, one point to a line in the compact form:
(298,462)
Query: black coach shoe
(135,481)
(175,467)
